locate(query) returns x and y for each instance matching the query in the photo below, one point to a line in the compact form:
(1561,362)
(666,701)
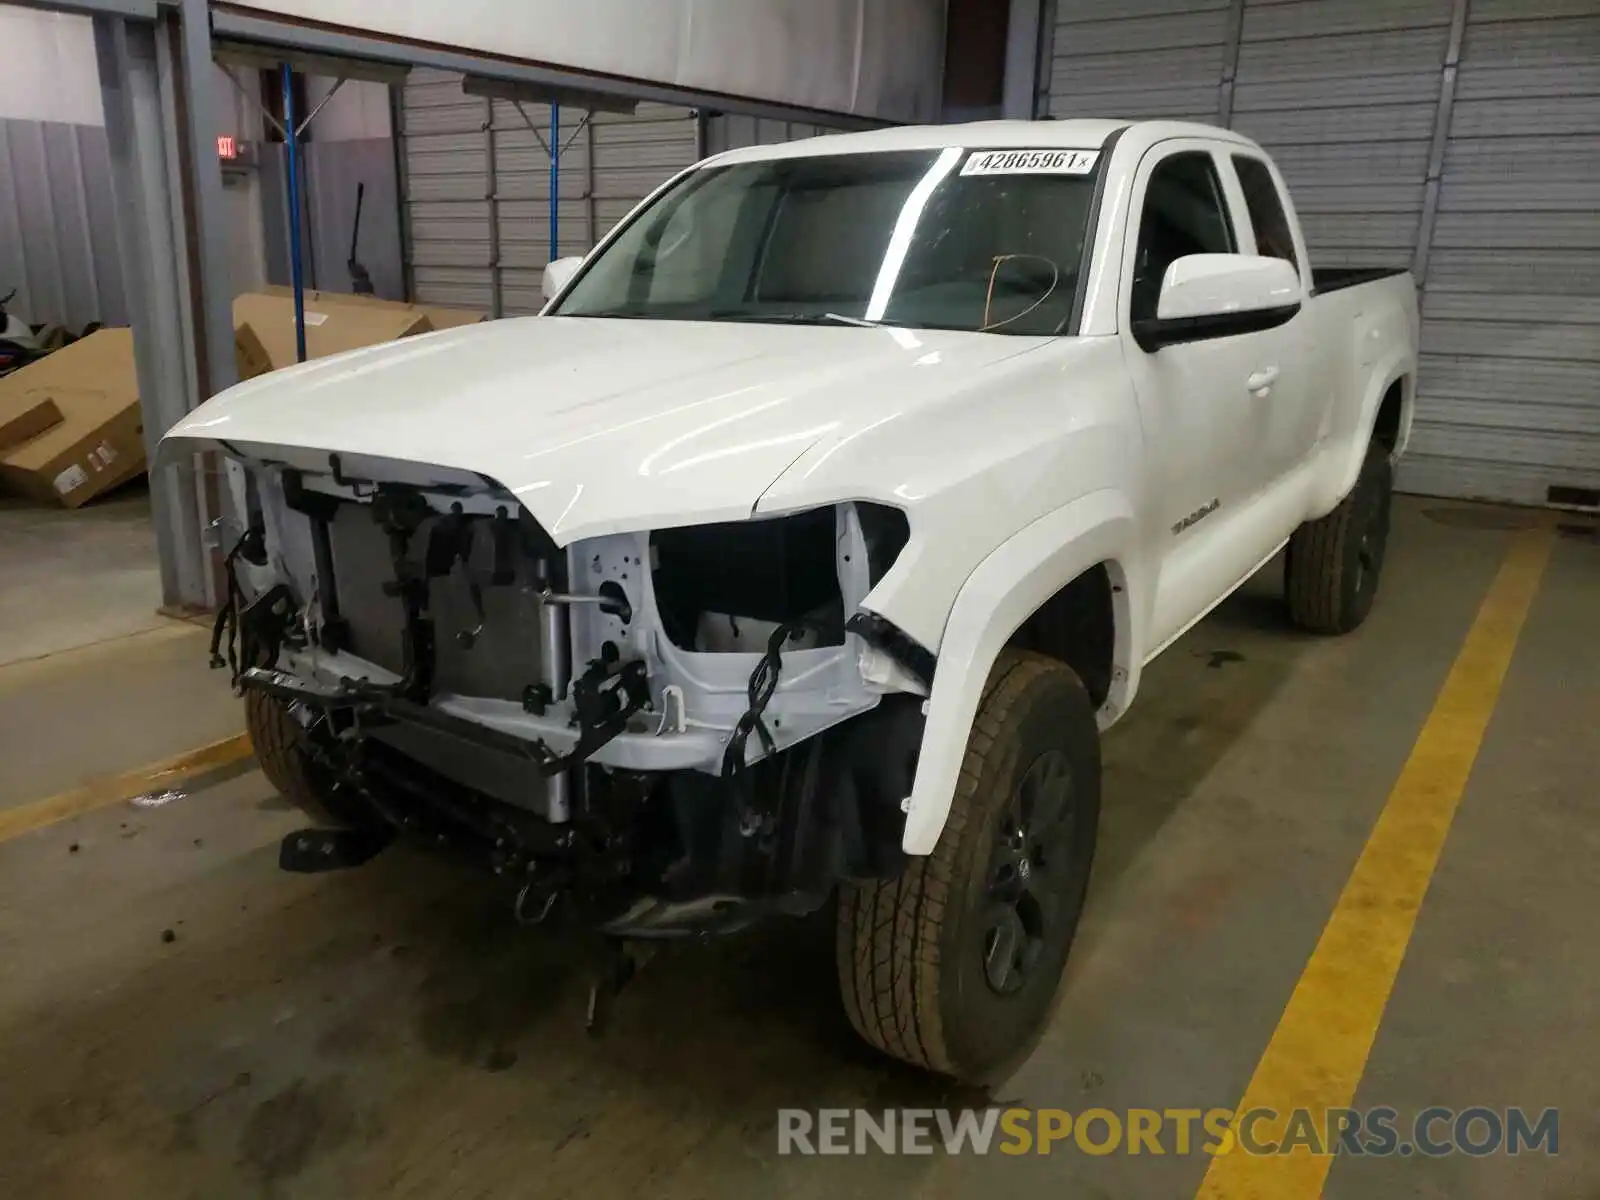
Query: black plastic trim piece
(1152,333)
(883,634)
(1080,292)
(317,505)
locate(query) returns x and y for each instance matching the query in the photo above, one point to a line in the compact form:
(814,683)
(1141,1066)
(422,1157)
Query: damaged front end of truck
(660,732)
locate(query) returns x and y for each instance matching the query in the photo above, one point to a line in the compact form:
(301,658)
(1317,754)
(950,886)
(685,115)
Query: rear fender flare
(999,595)
(1341,474)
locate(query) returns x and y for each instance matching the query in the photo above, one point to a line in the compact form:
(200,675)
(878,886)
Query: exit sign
(227,147)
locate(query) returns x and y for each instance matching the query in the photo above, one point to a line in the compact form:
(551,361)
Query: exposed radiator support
(555,653)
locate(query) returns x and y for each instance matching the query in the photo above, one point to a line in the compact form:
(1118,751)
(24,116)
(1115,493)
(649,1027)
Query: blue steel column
(291,143)
(555,181)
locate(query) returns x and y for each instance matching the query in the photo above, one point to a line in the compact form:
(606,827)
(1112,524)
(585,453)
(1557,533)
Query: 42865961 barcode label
(1030,162)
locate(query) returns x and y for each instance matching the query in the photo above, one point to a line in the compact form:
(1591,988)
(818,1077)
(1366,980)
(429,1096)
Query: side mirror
(558,274)
(1220,295)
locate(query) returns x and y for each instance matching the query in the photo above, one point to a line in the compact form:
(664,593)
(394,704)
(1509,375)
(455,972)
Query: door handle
(1262,379)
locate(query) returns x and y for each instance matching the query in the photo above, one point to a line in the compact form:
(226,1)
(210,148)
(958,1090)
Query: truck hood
(602,426)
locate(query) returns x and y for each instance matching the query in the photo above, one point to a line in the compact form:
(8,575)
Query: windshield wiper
(789,318)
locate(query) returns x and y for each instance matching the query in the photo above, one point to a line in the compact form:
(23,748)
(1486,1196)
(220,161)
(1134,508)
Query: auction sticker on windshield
(1030,162)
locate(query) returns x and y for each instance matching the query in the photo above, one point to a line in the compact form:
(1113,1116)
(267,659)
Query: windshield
(985,241)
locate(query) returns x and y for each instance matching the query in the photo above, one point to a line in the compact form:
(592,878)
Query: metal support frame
(1441,139)
(261,109)
(555,149)
(321,104)
(136,92)
(290,130)
(285,32)
(1230,63)
(555,110)
(210,234)
(491,196)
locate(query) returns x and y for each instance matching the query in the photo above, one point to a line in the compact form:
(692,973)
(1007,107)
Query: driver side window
(1185,212)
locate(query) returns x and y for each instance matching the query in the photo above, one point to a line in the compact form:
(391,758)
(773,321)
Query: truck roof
(1080,134)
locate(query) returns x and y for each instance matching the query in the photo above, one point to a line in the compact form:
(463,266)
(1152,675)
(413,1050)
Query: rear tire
(1334,563)
(956,965)
(283,752)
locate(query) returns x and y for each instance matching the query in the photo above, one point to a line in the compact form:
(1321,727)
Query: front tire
(283,751)
(955,966)
(1334,563)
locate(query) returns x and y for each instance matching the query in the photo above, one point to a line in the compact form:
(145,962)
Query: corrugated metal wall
(473,232)
(1138,58)
(58,234)
(332,171)
(1346,94)
(1511,331)
(1343,93)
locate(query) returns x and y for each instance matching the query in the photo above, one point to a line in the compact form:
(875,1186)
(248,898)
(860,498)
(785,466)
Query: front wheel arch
(1007,587)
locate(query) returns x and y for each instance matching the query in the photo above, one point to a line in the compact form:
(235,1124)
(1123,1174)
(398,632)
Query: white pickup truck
(804,544)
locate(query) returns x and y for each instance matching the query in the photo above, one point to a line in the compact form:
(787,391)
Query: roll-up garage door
(477,187)
(1510,377)
(1354,99)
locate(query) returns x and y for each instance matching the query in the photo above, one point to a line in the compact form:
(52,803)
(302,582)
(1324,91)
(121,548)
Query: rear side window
(1184,213)
(1273,237)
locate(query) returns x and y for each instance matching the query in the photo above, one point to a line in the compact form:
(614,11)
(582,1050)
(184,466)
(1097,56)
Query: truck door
(1289,413)
(1195,399)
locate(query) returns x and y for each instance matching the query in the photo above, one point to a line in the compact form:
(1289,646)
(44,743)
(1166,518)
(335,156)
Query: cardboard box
(249,354)
(24,416)
(439,317)
(330,328)
(70,424)
(99,441)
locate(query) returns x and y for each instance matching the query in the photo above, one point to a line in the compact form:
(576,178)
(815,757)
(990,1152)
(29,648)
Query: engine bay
(685,698)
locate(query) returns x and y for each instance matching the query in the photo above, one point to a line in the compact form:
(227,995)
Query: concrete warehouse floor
(391,1031)
(76,576)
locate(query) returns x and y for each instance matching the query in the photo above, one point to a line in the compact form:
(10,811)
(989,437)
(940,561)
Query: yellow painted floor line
(1319,1050)
(169,774)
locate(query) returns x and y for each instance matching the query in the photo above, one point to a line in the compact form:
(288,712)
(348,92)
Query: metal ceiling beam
(247,54)
(137,10)
(519,92)
(237,25)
